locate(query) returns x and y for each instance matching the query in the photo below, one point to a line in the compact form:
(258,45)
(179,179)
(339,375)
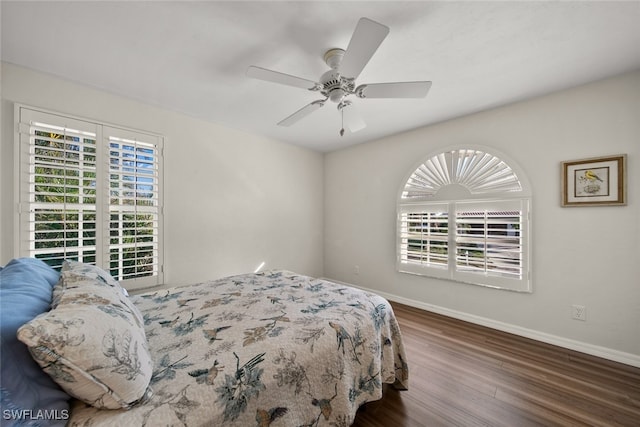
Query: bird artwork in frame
(594,182)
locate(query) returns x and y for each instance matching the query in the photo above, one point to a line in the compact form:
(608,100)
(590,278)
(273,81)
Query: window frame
(449,198)
(137,275)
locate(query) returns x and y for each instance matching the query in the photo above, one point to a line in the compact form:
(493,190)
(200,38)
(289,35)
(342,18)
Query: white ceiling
(191,57)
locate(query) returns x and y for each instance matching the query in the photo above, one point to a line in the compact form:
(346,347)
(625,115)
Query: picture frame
(598,181)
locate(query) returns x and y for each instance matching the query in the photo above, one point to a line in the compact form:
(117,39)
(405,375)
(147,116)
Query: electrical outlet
(356,269)
(579,312)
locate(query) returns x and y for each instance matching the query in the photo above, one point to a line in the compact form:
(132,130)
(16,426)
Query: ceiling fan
(338,84)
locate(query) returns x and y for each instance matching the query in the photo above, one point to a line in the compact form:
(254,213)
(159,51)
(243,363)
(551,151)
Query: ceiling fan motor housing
(335,87)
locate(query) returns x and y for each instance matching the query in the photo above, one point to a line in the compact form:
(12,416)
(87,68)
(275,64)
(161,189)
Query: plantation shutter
(91,193)
(463,215)
(58,188)
(134,204)
(490,239)
(423,234)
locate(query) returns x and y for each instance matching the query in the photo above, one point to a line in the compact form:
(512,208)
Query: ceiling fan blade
(394,90)
(302,113)
(352,118)
(282,78)
(365,40)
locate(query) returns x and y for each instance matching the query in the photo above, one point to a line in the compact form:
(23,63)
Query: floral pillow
(90,271)
(92,343)
(77,271)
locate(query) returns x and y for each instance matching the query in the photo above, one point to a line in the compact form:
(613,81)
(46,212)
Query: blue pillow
(28,395)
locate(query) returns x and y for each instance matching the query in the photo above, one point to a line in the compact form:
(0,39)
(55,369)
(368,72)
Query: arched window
(464,215)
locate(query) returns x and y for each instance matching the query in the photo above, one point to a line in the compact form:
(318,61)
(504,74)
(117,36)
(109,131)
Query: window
(463,215)
(91,193)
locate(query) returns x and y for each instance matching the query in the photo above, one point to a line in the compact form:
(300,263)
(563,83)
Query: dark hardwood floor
(463,374)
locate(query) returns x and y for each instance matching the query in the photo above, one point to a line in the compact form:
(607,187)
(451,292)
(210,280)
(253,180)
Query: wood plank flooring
(463,374)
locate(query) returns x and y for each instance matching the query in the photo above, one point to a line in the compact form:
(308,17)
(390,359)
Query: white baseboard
(594,350)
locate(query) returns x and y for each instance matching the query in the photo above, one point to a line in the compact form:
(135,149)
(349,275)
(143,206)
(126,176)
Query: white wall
(243,199)
(232,200)
(588,255)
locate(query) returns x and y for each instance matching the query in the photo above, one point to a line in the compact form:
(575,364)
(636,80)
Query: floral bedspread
(266,349)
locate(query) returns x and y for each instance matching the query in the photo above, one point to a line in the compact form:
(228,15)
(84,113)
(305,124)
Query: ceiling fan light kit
(339,82)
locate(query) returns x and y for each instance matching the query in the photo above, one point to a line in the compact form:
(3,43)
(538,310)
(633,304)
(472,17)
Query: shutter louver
(489,241)
(133,208)
(477,171)
(61,193)
(423,238)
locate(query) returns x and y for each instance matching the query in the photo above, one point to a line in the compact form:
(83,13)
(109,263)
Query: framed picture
(598,181)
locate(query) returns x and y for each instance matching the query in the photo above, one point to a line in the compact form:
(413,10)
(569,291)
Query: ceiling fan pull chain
(342,130)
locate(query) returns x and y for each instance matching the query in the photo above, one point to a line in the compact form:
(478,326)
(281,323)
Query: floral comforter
(266,349)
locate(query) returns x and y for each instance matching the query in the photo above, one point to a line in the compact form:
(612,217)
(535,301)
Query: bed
(267,349)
